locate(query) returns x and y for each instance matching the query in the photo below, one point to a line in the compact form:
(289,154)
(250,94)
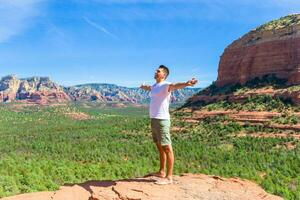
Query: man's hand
(176,86)
(191,82)
(145,87)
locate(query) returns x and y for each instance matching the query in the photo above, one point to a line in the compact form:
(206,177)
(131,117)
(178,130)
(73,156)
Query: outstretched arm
(145,87)
(176,86)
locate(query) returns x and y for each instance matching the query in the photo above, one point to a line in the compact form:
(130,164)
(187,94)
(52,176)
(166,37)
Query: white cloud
(99,27)
(16,16)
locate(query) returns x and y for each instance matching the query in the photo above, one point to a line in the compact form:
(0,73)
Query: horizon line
(87,83)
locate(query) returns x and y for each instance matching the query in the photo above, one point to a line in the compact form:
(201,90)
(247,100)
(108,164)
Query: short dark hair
(166,70)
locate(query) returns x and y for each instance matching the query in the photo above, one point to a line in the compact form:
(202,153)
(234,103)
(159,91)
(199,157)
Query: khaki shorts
(161,131)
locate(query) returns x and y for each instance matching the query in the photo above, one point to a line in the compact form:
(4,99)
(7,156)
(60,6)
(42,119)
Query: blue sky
(123,41)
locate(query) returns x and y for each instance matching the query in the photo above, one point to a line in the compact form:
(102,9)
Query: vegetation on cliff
(252,95)
(283,22)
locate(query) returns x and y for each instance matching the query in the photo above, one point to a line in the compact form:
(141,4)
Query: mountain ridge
(42,90)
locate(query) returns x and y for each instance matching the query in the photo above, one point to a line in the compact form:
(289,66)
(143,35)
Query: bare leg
(162,160)
(170,160)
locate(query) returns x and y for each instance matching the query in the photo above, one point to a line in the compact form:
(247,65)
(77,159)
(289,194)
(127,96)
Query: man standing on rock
(160,94)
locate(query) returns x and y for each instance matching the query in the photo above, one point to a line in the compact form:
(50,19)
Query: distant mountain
(39,90)
(112,92)
(42,90)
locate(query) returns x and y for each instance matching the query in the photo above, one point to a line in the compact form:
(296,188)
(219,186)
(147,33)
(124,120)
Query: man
(160,120)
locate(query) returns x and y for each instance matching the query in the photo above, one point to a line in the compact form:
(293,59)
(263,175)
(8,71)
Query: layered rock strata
(273,48)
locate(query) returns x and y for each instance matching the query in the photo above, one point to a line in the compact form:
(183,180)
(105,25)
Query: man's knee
(167,148)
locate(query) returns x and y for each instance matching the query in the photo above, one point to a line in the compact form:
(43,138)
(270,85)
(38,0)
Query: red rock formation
(8,97)
(46,97)
(188,186)
(58,96)
(284,93)
(262,52)
(39,90)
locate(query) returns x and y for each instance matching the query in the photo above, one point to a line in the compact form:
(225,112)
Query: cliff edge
(187,186)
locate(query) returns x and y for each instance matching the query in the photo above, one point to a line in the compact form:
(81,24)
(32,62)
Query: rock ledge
(187,186)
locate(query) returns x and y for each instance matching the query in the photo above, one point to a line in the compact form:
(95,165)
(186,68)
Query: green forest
(43,148)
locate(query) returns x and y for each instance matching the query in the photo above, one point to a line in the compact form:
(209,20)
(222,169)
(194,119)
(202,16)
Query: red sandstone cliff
(273,48)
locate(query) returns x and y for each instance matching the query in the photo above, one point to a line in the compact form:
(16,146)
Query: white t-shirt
(160,100)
